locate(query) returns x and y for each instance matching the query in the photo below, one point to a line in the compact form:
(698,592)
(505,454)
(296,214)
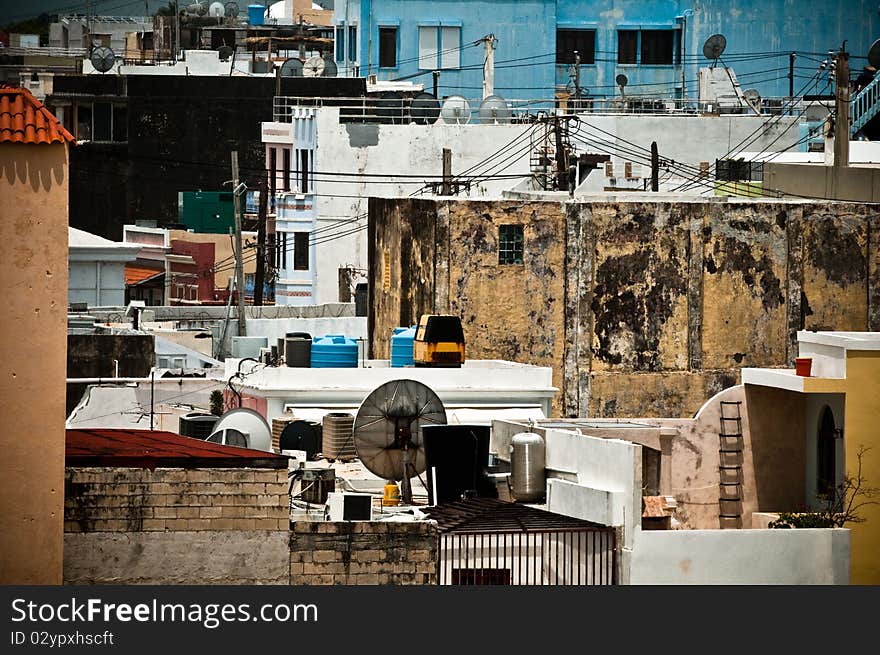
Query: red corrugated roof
(155,449)
(24,119)
(135,274)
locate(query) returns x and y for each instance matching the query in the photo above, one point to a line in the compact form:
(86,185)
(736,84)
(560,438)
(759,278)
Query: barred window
(510,244)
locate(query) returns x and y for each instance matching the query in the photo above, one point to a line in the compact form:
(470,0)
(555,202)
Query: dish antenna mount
(102,58)
(293,67)
(456,109)
(387,434)
(714,47)
(874,54)
(622,80)
(494,110)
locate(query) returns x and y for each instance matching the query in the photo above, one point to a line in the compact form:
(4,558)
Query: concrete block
(326,556)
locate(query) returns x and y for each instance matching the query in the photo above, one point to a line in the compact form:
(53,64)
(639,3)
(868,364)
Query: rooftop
(24,119)
(478,515)
(153,449)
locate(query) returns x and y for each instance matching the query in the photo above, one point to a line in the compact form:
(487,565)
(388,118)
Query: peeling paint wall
(642,308)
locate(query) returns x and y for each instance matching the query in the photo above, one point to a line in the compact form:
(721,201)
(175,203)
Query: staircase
(864,105)
(730,454)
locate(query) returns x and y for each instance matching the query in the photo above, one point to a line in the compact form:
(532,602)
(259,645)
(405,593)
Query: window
(648,47)
(282,250)
(352,43)
(340,44)
(510,244)
(101,121)
(304,170)
(273,171)
(567,41)
(657,46)
(439,47)
(387,47)
(627,46)
(285,165)
(300,251)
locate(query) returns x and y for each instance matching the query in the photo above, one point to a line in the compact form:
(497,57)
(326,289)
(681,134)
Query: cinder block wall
(176,526)
(175,499)
(363,553)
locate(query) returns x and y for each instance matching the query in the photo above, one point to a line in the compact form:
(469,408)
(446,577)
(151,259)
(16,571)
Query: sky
(16,10)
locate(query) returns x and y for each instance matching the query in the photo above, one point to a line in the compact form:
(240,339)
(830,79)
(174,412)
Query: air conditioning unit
(350,506)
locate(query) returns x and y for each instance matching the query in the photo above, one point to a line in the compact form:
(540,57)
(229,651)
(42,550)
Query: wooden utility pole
(446,189)
(841,108)
(436,75)
(561,168)
(239,255)
(489,65)
(791,59)
(655,167)
(260,274)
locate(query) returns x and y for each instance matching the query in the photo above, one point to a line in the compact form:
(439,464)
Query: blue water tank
(256,14)
(402,346)
(334,351)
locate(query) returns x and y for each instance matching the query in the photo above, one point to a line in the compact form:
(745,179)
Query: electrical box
(350,506)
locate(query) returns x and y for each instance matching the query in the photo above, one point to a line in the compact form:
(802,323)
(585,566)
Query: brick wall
(363,553)
(174,499)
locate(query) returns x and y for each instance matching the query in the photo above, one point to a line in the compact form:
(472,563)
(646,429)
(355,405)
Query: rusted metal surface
(154,449)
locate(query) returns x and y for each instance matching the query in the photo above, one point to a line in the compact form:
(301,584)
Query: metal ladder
(730,455)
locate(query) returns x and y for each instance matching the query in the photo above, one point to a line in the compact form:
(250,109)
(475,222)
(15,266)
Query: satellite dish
(387,434)
(313,67)
(389,106)
(425,109)
(231,10)
(714,46)
(293,67)
(753,98)
(874,54)
(225,52)
(197,9)
(242,421)
(216,10)
(329,67)
(456,109)
(301,435)
(102,58)
(494,110)
(622,80)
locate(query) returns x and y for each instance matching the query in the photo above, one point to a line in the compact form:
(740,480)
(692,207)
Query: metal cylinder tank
(527,476)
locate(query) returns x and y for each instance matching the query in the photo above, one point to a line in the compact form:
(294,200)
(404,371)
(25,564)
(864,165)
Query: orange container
(803,366)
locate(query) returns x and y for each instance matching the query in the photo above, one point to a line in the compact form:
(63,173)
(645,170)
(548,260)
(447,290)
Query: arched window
(825,465)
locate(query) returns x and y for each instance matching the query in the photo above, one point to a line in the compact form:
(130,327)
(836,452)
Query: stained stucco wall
(642,308)
(33,279)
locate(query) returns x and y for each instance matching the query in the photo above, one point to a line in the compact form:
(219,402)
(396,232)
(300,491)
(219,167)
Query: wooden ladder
(730,454)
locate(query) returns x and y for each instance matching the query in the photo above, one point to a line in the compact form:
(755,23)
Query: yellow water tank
(391,497)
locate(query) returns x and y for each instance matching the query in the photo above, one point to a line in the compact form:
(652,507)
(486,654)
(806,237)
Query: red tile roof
(24,119)
(154,449)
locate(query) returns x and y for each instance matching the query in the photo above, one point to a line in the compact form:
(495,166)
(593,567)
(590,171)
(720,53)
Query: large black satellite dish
(714,46)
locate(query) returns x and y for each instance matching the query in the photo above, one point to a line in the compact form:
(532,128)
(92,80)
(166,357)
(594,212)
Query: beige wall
(851,183)
(223,252)
(33,358)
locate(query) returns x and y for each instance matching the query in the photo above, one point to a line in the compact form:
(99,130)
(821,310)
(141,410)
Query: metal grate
(510,244)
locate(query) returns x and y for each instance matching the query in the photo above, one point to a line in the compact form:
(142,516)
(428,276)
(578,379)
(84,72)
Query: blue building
(657,44)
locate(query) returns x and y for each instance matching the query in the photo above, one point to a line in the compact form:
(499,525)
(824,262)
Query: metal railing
(396,110)
(585,556)
(864,105)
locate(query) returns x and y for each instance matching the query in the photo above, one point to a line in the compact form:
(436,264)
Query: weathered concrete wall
(803,556)
(852,183)
(364,553)
(33,279)
(642,308)
(208,557)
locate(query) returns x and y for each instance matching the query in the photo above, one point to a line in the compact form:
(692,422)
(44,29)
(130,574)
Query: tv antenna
(714,47)
(102,58)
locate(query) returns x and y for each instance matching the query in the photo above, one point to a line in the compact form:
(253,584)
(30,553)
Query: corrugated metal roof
(24,119)
(155,449)
(137,274)
(482,515)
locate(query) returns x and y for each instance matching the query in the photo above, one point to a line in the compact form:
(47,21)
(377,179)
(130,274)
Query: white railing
(396,110)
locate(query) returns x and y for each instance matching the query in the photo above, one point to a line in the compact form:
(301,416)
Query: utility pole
(561,169)
(260,274)
(841,108)
(436,83)
(446,189)
(176,39)
(489,65)
(239,255)
(577,76)
(655,168)
(791,58)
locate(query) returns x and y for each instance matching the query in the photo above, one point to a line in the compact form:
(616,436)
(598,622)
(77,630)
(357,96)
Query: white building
(96,269)
(324,166)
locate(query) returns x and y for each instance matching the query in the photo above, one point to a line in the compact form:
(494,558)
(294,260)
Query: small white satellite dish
(216,10)
(494,110)
(242,427)
(313,67)
(456,109)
